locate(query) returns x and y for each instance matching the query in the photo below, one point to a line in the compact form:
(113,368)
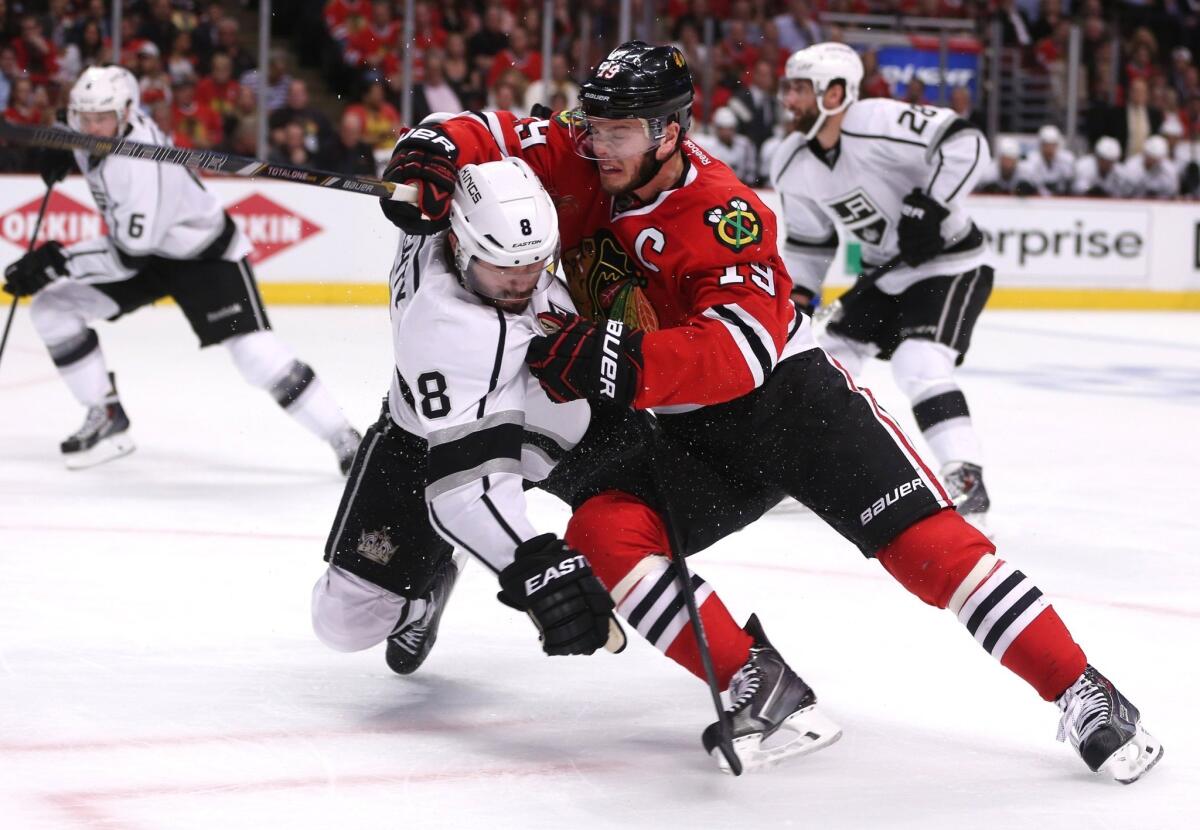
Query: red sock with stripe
(947,563)
(626,543)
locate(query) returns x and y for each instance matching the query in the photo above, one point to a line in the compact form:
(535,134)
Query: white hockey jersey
(741,156)
(150,209)
(461,383)
(1054,177)
(1090,181)
(1160,181)
(887,149)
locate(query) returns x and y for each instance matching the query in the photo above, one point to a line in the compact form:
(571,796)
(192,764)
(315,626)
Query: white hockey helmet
(506,229)
(1049,134)
(1156,147)
(102,89)
(724,117)
(1108,148)
(1008,148)
(825,64)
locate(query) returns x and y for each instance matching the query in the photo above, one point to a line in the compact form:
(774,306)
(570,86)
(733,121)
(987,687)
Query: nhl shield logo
(735,225)
(376,545)
(861,217)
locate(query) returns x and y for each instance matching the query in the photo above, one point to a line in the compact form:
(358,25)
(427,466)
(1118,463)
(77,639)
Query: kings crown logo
(376,545)
(735,225)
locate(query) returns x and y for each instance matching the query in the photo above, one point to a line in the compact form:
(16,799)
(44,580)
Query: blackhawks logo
(605,283)
(735,225)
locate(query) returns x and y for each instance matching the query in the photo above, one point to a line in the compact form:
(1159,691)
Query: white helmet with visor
(102,89)
(825,64)
(506,230)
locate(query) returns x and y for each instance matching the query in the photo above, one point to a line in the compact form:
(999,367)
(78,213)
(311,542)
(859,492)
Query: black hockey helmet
(636,80)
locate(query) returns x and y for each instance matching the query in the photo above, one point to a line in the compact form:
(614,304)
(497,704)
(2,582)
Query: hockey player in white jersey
(892,177)
(1051,169)
(1152,173)
(167,236)
(1100,174)
(465,425)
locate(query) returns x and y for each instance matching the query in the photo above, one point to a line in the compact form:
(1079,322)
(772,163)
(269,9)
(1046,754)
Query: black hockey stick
(210,161)
(724,727)
(37,227)
(829,311)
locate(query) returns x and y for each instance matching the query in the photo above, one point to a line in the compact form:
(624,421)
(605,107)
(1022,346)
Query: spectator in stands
(278,79)
(348,153)
(874,84)
(228,43)
(21,107)
(154,82)
(1051,169)
(1181,62)
(36,55)
(756,105)
(688,41)
(1151,174)
(509,94)
(158,28)
(798,28)
(202,127)
(434,93)
(291,150)
(379,120)
(457,66)
(914,92)
(1003,175)
(560,83)
(296,110)
(1048,20)
(181,61)
(1131,124)
(731,147)
(517,55)
(160,114)
(1099,174)
(489,40)
(219,91)
(371,45)
(960,102)
(89,49)
(785,128)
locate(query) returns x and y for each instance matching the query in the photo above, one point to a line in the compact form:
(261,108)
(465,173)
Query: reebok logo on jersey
(614,330)
(222,313)
(885,501)
(860,216)
(537,582)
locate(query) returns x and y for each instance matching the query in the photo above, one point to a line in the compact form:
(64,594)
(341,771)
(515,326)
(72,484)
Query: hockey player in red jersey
(674,265)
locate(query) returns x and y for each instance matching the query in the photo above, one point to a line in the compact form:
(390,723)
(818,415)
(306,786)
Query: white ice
(157,669)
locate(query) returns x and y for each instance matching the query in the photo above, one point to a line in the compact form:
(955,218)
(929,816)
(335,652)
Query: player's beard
(805,121)
(647,168)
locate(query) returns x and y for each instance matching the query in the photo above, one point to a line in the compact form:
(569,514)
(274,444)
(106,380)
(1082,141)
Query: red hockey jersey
(698,268)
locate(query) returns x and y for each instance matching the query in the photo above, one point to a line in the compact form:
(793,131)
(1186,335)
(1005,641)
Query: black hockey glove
(578,359)
(34,271)
(920,228)
(425,158)
(54,165)
(556,587)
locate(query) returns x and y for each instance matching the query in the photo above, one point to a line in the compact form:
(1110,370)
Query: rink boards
(316,246)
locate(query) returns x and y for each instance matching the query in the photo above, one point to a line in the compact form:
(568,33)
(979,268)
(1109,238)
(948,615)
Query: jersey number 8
(434,401)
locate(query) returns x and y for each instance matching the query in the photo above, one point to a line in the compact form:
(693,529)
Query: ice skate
(773,712)
(414,636)
(964,482)
(1106,729)
(103,436)
(345,446)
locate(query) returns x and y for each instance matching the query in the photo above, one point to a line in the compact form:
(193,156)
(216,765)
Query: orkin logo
(66,220)
(270,227)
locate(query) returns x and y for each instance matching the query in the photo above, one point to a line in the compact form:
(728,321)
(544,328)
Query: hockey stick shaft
(37,228)
(725,728)
(210,161)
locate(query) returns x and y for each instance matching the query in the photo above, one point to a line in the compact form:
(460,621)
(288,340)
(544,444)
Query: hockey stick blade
(209,161)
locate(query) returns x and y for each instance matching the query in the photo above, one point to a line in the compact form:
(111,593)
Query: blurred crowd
(1140,84)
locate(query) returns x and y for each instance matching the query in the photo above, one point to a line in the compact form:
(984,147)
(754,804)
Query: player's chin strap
(824,113)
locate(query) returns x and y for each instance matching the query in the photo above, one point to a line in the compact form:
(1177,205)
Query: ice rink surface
(157,668)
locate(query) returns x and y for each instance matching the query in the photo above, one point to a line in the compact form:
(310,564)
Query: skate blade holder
(1133,760)
(802,733)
